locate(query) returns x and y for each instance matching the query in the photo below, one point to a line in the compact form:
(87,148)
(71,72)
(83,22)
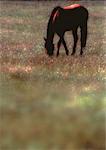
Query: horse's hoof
(67,53)
(72,53)
(81,53)
(57,55)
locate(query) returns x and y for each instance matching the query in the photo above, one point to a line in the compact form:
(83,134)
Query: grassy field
(50,103)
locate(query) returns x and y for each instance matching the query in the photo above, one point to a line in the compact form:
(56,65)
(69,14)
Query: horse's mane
(50,22)
(52,18)
(53,14)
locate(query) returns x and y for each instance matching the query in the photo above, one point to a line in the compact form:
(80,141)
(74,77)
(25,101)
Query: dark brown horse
(66,19)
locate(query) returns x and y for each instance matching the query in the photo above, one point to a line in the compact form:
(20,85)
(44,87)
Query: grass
(50,103)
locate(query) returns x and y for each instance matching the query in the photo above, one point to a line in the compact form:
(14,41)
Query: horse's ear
(45,39)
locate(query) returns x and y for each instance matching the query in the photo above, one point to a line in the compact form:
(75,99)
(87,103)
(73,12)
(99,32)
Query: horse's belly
(66,26)
(66,23)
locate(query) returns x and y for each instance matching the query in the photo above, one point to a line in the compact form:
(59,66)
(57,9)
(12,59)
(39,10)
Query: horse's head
(49,46)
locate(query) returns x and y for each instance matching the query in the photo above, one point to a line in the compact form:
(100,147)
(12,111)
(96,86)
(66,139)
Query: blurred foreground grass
(50,103)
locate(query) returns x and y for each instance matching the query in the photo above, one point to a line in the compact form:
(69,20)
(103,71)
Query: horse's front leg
(75,41)
(65,46)
(58,46)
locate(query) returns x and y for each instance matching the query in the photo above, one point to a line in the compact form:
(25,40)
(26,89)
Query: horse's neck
(50,32)
(50,37)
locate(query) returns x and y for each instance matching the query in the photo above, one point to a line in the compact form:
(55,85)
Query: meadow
(50,103)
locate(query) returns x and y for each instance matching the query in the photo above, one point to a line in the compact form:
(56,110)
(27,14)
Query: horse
(64,19)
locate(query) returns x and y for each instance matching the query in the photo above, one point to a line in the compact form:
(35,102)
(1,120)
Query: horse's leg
(75,40)
(83,37)
(65,46)
(58,46)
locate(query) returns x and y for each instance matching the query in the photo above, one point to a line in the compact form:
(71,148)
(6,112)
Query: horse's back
(74,15)
(76,12)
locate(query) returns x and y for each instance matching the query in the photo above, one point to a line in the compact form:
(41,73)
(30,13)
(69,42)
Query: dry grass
(50,103)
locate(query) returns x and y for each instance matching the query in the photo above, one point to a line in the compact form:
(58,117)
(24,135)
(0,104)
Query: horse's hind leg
(83,37)
(75,40)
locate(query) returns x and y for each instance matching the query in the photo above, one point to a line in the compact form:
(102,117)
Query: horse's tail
(84,30)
